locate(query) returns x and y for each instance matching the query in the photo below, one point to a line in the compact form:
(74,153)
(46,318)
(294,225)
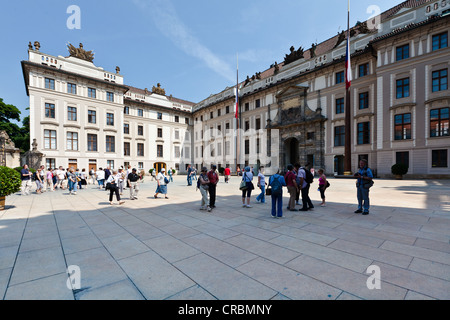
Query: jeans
(307,204)
(262,195)
(189,180)
(205,201)
(72,186)
(212,195)
(277,205)
(363,199)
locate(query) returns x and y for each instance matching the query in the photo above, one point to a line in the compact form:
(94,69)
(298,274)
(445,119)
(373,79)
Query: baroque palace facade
(292,112)
(399,101)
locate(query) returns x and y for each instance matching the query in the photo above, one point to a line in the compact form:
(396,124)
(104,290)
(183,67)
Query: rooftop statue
(80,53)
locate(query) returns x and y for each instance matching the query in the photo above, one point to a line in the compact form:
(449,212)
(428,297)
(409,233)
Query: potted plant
(399,170)
(10,183)
(173,171)
(221,170)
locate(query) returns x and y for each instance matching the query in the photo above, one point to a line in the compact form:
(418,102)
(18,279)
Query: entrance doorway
(159,165)
(339,165)
(292,155)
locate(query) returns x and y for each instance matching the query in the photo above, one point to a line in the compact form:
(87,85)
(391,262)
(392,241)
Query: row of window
(439,127)
(72,143)
(50,112)
(159,115)
(439,158)
(72,89)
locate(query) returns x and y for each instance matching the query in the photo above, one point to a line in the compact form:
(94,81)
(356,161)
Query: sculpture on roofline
(80,53)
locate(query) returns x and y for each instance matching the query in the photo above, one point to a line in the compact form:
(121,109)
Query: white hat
(163,169)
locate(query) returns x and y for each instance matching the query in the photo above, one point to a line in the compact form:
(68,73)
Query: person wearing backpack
(276,183)
(304,176)
(364,182)
(262,185)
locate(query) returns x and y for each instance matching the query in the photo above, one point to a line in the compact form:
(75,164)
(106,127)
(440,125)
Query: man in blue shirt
(189,175)
(364,178)
(25,176)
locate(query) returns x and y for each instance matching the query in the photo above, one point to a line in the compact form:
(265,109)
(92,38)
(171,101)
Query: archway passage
(159,166)
(292,155)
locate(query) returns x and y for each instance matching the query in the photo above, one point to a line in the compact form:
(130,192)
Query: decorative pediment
(292,91)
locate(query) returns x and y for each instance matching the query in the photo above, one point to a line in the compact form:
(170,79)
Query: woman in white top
(162,184)
(113,184)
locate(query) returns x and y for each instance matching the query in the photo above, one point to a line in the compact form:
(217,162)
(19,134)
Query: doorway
(339,165)
(292,155)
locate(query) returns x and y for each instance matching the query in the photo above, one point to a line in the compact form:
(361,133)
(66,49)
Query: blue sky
(190,47)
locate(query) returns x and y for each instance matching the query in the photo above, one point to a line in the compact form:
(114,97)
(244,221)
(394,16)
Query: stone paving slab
(168,249)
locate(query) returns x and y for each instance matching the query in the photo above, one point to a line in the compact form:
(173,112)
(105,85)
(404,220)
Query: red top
(212,176)
(290,178)
(227,171)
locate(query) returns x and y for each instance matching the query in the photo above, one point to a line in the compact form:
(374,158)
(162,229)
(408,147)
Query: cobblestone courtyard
(168,249)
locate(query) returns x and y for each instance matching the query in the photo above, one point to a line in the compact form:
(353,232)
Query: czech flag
(348,65)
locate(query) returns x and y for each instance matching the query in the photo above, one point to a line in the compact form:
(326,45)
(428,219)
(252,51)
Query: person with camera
(364,182)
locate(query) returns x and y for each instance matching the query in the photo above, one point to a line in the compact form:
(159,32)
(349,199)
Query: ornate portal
(80,53)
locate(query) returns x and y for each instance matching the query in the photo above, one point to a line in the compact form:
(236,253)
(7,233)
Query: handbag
(166,181)
(269,191)
(243,185)
(109,186)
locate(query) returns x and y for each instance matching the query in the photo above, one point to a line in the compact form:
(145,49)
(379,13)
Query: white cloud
(165,17)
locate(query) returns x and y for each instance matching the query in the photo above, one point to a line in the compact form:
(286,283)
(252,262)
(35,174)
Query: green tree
(19,135)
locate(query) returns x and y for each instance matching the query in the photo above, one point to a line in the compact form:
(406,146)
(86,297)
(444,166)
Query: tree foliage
(19,135)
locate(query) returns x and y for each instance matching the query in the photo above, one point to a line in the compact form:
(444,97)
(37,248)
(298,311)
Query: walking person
(60,176)
(213,178)
(133,182)
(49,179)
(25,176)
(227,173)
(276,183)
(92,175)
(203,185)
(292,187)
(323,185)
(38,179)
(262,185)
(247,177)
(189,175)
(364,182)
(42,175)
(83,179)
(162,184)
(100,178)
(121,181)
(304,176)
(170,175)
(113,186)
(72,181)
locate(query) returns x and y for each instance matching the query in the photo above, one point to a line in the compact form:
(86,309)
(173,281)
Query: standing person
(189,175)
(101,178)
(60,178)
(194,174)
(25,176)
(49,179)
(247,177)
(43,178)
(304,186)
(276,183)
(213,178)
(364,182)
(170,175)
(162,184)
(227,173)
(72,181)
(323,183)
(203,185)
(292,187)
(121,180)
(133,182)
(153,174)
(126,175)
(262,185)
(113,183)
(92,175)
(238,171)
(83,179)
(38,179)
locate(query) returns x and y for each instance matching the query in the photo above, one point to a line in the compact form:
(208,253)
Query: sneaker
(358,211)
(121,202)
(202,208)
(323,205)
(365,213)
(243,206)
(248,206)
(209,209)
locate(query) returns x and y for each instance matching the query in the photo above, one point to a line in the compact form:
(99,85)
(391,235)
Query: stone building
(399,100)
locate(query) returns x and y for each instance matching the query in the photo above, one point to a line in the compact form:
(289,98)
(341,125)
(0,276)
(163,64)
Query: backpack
(309,176)
(276,186)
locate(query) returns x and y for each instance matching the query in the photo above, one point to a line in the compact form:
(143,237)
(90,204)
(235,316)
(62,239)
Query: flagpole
(348,131)
(237,114)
